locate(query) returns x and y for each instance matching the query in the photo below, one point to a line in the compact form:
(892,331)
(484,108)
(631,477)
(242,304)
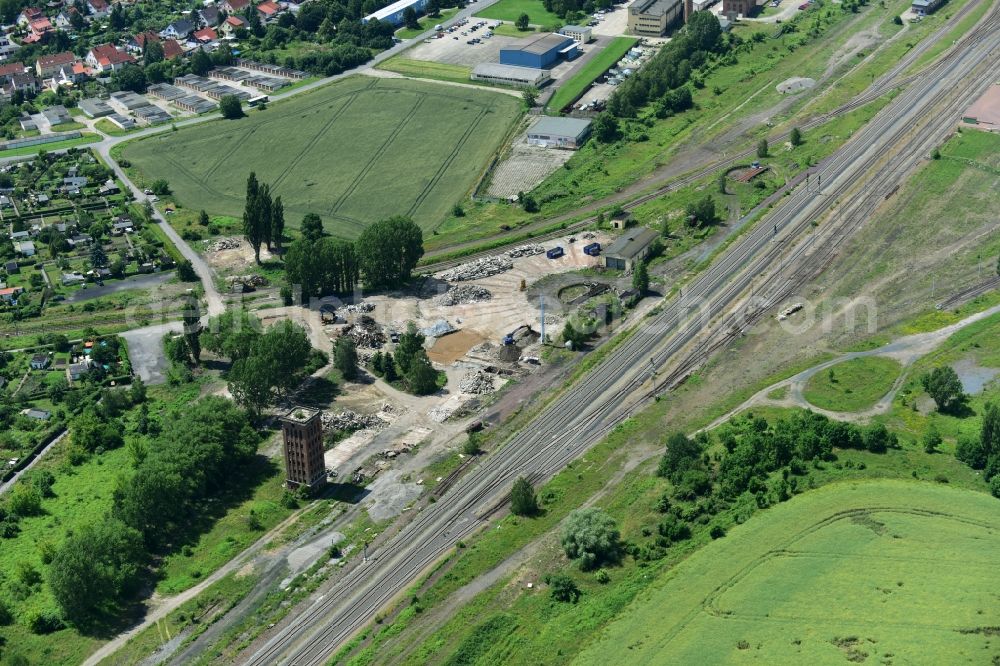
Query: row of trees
(983,452)
(263,218)
(409,363)
(384,256)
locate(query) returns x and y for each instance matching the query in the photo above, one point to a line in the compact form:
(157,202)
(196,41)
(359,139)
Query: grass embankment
(424,146)
(853,385)
(570,91)
(510,10)
(425,69)
(109,128)
(83,139)
(848,571)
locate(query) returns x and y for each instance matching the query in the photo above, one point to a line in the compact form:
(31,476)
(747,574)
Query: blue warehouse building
(394,13)
(541,52)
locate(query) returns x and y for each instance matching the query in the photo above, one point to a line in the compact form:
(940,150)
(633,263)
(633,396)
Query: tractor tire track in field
(224,158)
(313,141)
(447,163)
(376,156)
(710,604)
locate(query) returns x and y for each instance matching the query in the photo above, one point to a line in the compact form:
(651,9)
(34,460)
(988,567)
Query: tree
(389,373)
(795,136)
(254,221)
(605,127)
(591,536)
(230,107)
(272,368)
(944,387)
(932,439)
(277,221)
(131,77)
(530,96)
(640,278)
(25,500)
(421,377)
(762,148)
(98,258)
(152,53)
(410,19)
(203,220)
(720,182)
(345,357)
(231,334)
(160,187)
(311,227)
(701,212)
(680,455)
(388,251)
(989,433)
(95,569)
(522,22)
(200,62)
(90,432)
(562,588)
(185,271)
(528,202)
(522,498)
(574,337)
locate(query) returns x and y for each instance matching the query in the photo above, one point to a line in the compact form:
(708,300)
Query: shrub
(44,622)
(592,537)
(562,588)
(522,498)
(717,532)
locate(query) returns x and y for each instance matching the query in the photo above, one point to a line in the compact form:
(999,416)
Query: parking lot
(453,49)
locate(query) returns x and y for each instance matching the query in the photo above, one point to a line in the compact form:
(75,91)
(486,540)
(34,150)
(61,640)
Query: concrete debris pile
(359,308)
(251,281)
(464,295)
(525,251)
(366,333)
(477,383)
(223,244)
(588,235)
(437,329)
(350,421)
(480,268)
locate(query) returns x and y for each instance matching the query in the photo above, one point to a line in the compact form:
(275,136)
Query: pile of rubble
(525,251)
(223,244)
(477,383)
(251,281)
(366,333)
(350,421)
(359,308)
(464,295)
(480,268)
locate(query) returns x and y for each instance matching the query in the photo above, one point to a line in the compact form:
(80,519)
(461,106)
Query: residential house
(39,361)
(231,25)
(137,43)
(25,83)
(9,294)
(178,30)
(107,59)
(20,235)
(48,66)
(234,6)
(64,20)
(210,16)
(38,30)
(119,228)
(37,414)
(12,268)
(268,10)
(7,47)
(205,36)
(26,248)
(71,74)
(78,370)
(29,14)
(10,69)
(57,115)
(110,186)
(79,239)
(172,49)
(72,278)
(98,8)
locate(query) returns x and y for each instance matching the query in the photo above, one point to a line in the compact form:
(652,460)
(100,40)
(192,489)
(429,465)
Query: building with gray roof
(510,75)
(559,132)
(630,248)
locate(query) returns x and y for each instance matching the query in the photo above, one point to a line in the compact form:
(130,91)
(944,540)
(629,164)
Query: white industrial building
(394,12)
(556,132)
(511,75)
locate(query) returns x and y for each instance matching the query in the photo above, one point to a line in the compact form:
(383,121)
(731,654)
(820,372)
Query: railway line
(890,80)
(712,311)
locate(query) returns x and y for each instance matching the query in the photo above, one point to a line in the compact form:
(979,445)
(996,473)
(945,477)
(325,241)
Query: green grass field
(82,140)
(852,385)
(509,10)
(426,23)
(353,152)
(572,89)
(425,69)
(893,571)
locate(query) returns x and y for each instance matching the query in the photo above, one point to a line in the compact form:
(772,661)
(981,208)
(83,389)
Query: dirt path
(905,350)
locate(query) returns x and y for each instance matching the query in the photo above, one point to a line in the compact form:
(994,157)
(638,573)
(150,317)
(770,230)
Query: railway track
(711,313)
(885,83)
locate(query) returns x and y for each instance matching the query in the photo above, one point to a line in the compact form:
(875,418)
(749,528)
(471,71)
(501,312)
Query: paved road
(876,159)
(8,484)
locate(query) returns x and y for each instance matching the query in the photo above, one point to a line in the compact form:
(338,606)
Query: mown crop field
(852,385)
(883,571)
(354,152)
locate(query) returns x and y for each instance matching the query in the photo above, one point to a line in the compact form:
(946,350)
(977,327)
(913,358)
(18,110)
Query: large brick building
(302,431)
(733,8)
